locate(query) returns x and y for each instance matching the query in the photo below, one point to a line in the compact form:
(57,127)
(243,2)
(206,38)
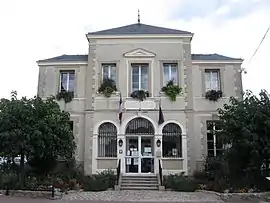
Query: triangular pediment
(139,53)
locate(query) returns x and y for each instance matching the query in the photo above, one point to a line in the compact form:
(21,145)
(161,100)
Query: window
(71,125)
(212,80)
(214,144)
(109,71)
(67,81)
(107,140)
(140,126)
(139,77)
(170,73)
(172,141)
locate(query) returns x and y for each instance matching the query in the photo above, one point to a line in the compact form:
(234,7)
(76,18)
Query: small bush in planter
(179,182)
(213,95)
(171,90)
(107,87)
(66,95)
(140,94)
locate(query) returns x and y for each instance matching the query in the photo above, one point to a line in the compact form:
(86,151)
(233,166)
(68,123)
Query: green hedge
(100,182)
(179,182)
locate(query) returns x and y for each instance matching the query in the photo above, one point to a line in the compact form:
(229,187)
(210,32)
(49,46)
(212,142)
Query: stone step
(139,184)
(139,188)
(139,181)
(139,177)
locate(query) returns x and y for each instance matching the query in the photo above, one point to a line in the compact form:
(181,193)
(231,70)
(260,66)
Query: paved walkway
(142,196)
(124,197)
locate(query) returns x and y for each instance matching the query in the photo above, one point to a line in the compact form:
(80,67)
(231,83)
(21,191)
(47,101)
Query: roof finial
(139,18)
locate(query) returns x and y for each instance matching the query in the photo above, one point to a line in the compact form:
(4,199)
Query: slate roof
(206,57)
(210,57)
(139,29)
(66,58)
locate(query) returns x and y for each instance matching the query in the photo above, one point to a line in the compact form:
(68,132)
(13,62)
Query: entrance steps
(139,182)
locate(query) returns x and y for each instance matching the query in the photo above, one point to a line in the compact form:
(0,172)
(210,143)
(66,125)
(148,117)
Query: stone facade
(89,109)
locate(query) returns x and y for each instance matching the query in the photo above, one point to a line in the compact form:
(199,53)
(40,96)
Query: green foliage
(171,90)
(213,95)
(110,177)
(34,128)
(42,165)
(179,182)
(140,95)
(107,87)
(245,131)
(94,183)
(66,95)
(100,182)
(216,171)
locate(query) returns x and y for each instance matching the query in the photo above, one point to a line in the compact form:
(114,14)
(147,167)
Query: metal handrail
(118,172)
(160,172)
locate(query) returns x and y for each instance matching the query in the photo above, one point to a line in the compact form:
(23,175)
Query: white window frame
(214,137)
(140,74)
(170,66)
(110,66)
(211,72)
(68,72)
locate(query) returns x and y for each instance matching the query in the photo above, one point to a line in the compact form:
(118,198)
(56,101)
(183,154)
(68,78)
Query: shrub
(109,177)
(179,182)
(9,180)
(100,182)
(216,168)
(95,183)
(215,175)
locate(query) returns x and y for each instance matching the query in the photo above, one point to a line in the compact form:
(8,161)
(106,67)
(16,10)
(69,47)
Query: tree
(34,128)
(246,133)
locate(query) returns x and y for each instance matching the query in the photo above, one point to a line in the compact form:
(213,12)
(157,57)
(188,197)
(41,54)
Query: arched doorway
(139,146)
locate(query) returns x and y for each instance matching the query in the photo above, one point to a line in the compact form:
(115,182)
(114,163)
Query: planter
(171,90)
(213,95)
(107,87)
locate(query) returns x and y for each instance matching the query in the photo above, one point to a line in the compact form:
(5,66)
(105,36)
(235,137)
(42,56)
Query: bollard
(52,191)
(7,191)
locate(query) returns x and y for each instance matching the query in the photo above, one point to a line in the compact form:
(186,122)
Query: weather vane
(139,18)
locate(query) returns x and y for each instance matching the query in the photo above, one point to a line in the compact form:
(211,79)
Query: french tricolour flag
(120,114)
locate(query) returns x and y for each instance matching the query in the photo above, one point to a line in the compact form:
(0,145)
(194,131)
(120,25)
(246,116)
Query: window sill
(163,94)
(172,158)
(106,158)
(116,93)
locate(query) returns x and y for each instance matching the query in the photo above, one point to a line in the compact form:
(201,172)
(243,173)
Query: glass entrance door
(147,155)
(132,155)
(139,154)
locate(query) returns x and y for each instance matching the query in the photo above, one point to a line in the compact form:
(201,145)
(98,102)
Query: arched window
(172,141)
(140,126)
(107,140)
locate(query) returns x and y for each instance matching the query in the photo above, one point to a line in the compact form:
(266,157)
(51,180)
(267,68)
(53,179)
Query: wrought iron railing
(160,172)
(118,172)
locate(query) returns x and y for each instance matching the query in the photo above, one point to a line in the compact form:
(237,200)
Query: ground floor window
(172,141)
(107,140)
(214,143)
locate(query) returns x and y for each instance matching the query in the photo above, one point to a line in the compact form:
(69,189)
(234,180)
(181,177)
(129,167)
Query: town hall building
(128,71)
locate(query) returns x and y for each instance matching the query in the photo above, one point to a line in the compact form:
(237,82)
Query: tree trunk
(22,174)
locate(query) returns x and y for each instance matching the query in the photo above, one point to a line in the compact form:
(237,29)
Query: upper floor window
(67,80)
(109,71)
(170,73)
(139,77)
(212,80)
(214,143)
